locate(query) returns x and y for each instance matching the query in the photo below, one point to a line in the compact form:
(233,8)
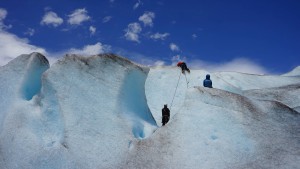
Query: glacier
(104,111)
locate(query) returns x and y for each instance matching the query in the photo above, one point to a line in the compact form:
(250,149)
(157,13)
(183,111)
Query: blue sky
(257,36)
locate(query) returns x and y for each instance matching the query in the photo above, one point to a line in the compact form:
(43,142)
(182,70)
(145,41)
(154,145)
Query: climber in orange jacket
(183,67)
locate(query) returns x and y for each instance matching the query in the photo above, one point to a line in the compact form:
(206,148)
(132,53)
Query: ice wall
(88,112)
(20,78)
(104,111)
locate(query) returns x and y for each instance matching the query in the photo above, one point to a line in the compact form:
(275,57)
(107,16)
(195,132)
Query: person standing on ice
(183,66)
(165,114)
(207,82)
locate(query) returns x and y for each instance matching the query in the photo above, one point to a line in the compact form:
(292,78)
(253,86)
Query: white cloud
(92,30)
(161,36)
(136,5)
(12,46)
(86,50)
(194,36)
(3,14)
(78,16)
(147,18)
(132,32)
(174,47)
(90,49)
(106,19)
(159,63)
(175,59)
(51,18)
(242,65)
(137,57)
(29,32)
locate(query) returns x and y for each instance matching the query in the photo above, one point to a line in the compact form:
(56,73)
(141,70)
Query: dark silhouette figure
(207,82)
(183,67)
(165,115)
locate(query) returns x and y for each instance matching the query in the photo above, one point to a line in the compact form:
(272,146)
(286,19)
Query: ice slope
(105,112)
(88,112)
(288,95)
(294,72)
(251,81)
(245,121)
(219,129)
(167,78)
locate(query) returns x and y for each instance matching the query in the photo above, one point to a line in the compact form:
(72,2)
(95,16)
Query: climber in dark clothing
(183,66)
(207,82)
(165,115)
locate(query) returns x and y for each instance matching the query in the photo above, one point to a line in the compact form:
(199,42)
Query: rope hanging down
(175,91)
(187,83)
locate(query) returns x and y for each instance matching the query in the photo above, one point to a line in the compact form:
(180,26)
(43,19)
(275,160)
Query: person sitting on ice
(165,114)
(183,66)
(207,82)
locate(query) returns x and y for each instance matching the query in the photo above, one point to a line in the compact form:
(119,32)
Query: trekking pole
(175,90)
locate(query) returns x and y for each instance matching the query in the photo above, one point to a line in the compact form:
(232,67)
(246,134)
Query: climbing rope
(187,83)
(175,91)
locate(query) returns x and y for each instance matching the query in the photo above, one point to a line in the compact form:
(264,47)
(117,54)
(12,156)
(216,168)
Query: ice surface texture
(104,111)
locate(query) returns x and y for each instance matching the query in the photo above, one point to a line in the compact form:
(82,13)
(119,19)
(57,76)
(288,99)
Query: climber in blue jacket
(207,82)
